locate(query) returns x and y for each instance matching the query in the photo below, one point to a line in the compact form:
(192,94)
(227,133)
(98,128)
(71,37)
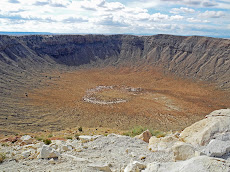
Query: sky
(141,17)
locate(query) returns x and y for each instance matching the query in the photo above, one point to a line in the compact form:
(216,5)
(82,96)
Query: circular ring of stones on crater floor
(91,98)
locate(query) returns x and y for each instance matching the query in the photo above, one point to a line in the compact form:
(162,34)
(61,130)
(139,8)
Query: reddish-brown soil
(165,103)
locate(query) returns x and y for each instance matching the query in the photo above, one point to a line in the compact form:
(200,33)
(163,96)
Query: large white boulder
(217,148)
(183,151)
(201,132)
(162,143)
(195,164)
(48,152)
(145,136)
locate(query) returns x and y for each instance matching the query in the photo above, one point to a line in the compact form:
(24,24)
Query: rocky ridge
(193,56)
(204,148)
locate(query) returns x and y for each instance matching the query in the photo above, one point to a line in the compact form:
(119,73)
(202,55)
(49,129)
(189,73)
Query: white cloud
(193,20)
(176,17)
(14,1)
(182,10)
(158,17)
(114,6)
(53,3)
(212,14)
(209,4)
(103,16)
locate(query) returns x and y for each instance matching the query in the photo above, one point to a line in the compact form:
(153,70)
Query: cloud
(158,17)
(196,3)
(14,1)
(60,3)
(114,6)
(21,17)
(182,10)
(212,14)
(95,5)
(75,20)
(53,3)
(176,17)
(111,21)
(41,3)
(209,4)
(110,16)
(186,2)
(192,2)
(193,20)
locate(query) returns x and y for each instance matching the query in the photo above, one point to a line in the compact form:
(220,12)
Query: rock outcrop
(145,136)
(201,132)
(201,163)
(48,152)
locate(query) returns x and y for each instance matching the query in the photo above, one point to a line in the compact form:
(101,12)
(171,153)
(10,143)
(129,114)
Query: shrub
(135,131)
(158,133)
(50,135)
(38,138)
(47,141)
(80,129)
(69,137)
(4,144)
(2,157)
(77,136)
(139,129)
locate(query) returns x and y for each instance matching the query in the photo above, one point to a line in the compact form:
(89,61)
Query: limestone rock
(26,154)
(48,152)
(225,136)
(217,148)
(67,147)
(201,132)
(145,136)
(134,166)
(27,139)
(195,164)
(75,158)
(183,151)
(85,139)
(52,161)
(100,167)
(162,143)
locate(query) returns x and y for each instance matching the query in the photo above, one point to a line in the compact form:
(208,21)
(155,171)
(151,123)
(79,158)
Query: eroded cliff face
(197,57)
(201,57)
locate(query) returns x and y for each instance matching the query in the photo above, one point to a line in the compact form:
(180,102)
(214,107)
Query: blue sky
(178,17)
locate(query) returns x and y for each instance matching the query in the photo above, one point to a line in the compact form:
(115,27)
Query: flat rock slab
(217,148)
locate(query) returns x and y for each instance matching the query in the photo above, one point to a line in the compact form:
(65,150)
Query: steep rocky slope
(198,57)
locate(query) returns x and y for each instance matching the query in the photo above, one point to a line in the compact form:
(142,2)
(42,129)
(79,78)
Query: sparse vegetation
(47,141)
(38,138)
(50,135)
(4,144)
(139,129)
(2,157)
(157,133)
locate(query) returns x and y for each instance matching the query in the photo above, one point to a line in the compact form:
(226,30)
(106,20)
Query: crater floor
(151,99)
